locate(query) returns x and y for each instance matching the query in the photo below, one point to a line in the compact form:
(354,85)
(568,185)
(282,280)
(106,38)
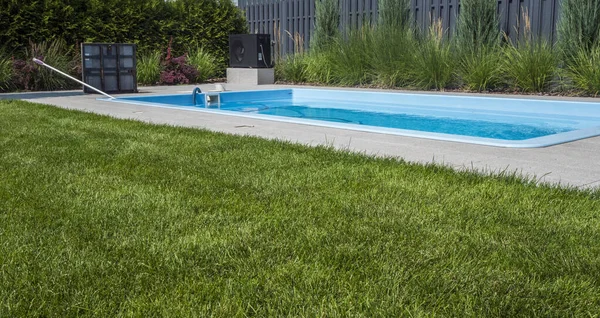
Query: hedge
(148,23)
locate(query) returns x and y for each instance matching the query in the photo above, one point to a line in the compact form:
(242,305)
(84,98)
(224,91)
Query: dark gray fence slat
(283,26)
(306,20)
(298,17)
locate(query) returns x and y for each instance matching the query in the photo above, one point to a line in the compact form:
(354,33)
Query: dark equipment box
(109,67)
(250,51)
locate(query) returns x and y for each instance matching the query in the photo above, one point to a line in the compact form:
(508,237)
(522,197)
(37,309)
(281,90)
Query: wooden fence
(291,22)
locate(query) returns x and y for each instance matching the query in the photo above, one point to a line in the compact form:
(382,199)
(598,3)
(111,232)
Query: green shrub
(433,62)
(584,70)
(176,70)
(327,21)
(6,71)
(292,68)
(148,68)
(530,66)
(480,69)
(205,63)
(578,27)
(148,23)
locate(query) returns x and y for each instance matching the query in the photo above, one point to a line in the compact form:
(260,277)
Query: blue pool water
(446,125)
(505,122)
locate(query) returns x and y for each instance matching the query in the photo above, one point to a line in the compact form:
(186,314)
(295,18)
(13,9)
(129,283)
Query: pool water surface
(494,121)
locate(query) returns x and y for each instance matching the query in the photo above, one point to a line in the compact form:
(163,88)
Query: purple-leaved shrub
(177,71)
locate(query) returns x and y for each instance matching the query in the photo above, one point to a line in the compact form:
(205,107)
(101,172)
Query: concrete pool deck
(574,164)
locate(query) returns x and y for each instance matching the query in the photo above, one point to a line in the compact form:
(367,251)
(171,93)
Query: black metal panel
(250,50)
(109,67)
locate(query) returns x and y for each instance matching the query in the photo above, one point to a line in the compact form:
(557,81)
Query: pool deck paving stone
(572,164)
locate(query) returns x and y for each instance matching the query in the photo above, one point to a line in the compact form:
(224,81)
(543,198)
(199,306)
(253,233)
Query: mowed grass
(106,217)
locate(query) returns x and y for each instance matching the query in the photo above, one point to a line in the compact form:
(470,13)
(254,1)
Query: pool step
(213,99)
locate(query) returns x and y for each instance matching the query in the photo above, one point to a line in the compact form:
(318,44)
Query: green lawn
(107,217)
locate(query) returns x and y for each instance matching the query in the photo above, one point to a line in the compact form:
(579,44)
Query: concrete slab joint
(251,76)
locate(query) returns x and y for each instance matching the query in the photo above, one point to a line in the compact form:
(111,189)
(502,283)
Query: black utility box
(250,51)
(109,67)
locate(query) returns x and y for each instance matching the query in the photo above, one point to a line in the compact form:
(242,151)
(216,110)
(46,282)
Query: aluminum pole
(71,77)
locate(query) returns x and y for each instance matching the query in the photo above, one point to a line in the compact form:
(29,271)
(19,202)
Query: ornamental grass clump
(205,63)
(392,44)
(480,70)
(477,42)
(584,70)
(319,66)
(395,14)
(578,27)
(433,62)
(351,64)
(392,56)
(291,68)
(531,64)
(6,71)
(148,68)
(477,25)
(579,42)
(30,76)
(327,21)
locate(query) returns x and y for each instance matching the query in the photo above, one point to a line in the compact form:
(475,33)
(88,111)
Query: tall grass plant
(477,25)
(584,70)
(54,53)
(148,68)
(578,27)
(291,68)
(395,14)
(433,63)
(530,66)
(6,71)
(481,69)
(327,22)
(351,63)
(319,67)
(392,56)
(477,41)
(205,63)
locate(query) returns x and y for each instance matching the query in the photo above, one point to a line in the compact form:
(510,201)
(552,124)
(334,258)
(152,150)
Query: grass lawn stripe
(107,217)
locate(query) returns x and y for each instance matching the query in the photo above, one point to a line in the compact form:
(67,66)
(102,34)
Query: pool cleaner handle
(71,77)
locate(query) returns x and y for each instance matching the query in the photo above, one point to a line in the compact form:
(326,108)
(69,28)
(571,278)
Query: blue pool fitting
(196,91)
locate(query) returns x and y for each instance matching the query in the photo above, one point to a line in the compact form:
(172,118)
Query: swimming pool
(493,121)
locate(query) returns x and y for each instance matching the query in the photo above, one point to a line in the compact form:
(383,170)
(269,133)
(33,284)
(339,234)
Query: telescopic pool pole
(71,77)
